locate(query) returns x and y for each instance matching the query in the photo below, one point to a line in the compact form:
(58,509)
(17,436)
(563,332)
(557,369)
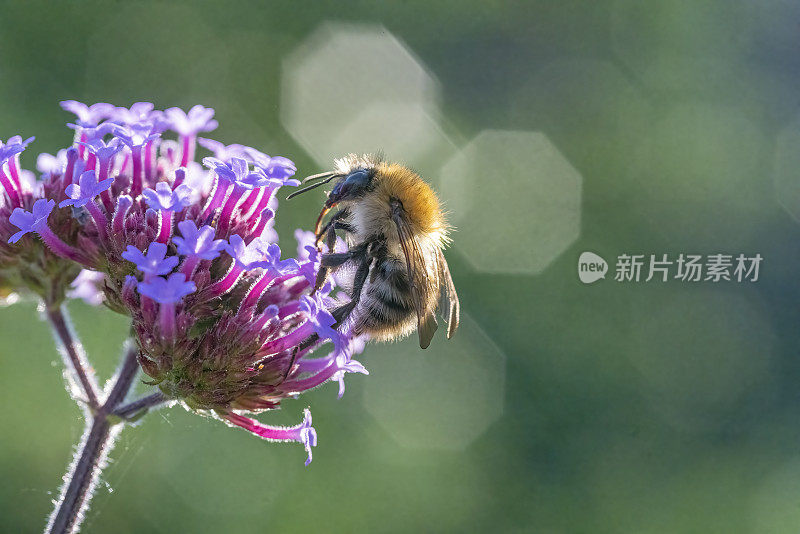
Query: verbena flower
(155,262)
(219,316)
(85,190)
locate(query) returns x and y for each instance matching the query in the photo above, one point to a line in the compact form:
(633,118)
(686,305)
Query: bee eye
(352,186)
(357,180)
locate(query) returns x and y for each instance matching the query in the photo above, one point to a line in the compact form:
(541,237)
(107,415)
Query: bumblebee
(395,231)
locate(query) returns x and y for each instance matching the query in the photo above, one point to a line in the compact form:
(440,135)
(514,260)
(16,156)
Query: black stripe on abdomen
(387,301)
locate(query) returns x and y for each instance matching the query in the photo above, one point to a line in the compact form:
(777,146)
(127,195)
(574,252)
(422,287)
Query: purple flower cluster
(186,250)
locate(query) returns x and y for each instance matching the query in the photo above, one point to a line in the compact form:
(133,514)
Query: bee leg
(289,367)
(344,227)
(330,228)
(337,259)
(330,241)
(341,313)
(322,273)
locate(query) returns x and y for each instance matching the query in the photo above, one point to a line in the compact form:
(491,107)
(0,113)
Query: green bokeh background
(646,408)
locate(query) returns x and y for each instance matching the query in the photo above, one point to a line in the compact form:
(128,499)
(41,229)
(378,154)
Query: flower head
(254,330)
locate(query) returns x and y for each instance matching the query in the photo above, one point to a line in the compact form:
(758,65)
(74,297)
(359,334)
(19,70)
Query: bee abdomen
(387,309)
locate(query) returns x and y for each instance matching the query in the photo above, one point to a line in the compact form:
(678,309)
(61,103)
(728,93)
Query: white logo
(591,267)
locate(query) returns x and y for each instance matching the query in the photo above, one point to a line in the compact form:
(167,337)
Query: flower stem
(82,477)
(132,408)
(73,354)
(90,459)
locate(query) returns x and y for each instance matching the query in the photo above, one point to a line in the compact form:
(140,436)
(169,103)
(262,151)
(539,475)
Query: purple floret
(221,151)
(346,365)
(17,140)
(138,112)
(88,116)
(167,290)
(247,256)
(273,254)
(164,198)
(9,151)
(238,172)
(85,190)
(104,151)
(50,164)
(198,242)
(155,263)
(199,119)
(322,320)
(135,135)
(30,221)
(280,168)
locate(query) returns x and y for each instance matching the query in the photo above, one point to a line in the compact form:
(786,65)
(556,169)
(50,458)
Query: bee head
(353,178)
(351,187)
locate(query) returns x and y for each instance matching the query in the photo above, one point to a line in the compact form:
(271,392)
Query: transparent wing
(417,277)
(449,307)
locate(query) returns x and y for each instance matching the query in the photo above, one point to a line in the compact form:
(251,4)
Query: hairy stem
(80,480)
(90,458)
(132,408)
(73,354)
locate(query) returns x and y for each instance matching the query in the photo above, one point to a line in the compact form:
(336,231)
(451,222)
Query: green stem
(90,459)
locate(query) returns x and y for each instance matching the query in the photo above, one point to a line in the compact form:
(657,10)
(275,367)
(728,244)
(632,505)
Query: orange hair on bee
(419,201)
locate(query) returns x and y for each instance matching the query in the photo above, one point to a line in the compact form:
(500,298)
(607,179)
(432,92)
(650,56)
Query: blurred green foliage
(648,408)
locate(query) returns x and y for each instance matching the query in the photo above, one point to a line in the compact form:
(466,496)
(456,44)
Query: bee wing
(426,320)
(449,306)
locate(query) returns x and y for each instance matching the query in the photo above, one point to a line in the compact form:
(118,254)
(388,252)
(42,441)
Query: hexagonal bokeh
(403,131)
(786,177)
(440,398)
(514,199)
(357,87)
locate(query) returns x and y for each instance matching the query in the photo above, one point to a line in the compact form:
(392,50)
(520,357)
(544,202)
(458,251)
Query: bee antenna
(312,186)
(315,176)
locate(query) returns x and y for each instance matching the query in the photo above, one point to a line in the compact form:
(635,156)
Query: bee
(395,231)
